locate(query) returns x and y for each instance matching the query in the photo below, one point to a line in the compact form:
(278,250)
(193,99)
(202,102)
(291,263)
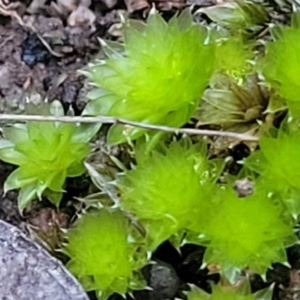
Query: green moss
(247,232)
(46,153)
(277,164)
(239,291)
(281,66)
(240,55)
(159,78)
(219,292)
(104,256)
(169,190)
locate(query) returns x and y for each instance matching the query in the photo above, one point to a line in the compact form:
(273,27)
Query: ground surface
(29,70)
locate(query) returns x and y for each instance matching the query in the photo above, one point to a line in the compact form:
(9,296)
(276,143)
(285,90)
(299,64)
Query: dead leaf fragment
(86,3)
(135,5)
(45,227)
(223,1)
(82,17)
(68,5)
(109,3)
(35,6)
(166,5)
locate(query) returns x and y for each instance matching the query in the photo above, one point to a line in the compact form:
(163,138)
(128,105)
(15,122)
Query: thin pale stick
(112,120)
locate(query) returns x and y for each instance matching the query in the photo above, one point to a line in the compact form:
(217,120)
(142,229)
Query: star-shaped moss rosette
(240,291)
(277,164)
(230,104)
(106,253)
(234,57)
(250,232)
(281,65)
(169,190)
(157,78)
(46,153)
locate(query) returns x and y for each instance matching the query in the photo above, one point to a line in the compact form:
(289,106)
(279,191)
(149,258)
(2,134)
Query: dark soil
(8,203)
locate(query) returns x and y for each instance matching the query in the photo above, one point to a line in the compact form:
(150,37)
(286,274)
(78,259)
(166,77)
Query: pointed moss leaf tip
(247,232)
(102,255)
(219,292)
(281,66)
(46,153)
(227,247)
(228,292)
(160,76)
(168,190)
(277,163)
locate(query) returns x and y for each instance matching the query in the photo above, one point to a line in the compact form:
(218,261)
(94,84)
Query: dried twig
(112,120)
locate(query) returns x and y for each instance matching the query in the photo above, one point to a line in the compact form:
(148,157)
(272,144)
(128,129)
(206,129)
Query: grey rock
(162,281)
(28,272)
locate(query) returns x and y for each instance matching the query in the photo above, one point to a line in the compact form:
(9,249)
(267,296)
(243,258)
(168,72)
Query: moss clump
(247,232)
(170,189)
(46,153)
(104,256)
(158,78)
